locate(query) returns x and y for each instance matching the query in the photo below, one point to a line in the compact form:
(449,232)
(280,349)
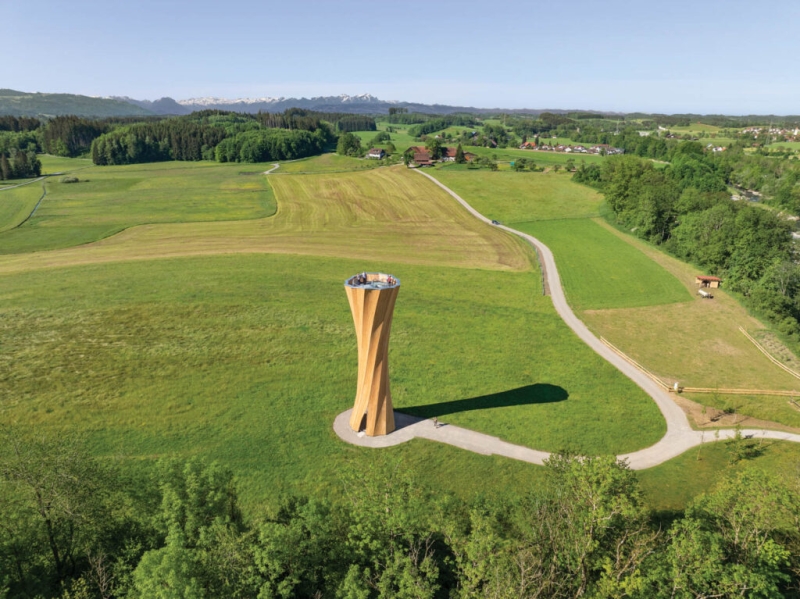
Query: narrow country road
(679,438)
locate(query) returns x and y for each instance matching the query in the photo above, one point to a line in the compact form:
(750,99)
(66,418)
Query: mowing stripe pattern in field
(107,200)
(383,214)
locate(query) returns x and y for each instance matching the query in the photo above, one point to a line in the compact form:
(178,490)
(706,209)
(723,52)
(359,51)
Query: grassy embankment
(247,358)
(16,205)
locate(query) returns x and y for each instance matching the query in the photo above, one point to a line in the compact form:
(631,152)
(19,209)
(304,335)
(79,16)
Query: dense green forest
(75,526)
(71,135)
(295,133)
(172,139)
(687,209)
(222,136)
(17,124)
(272,144)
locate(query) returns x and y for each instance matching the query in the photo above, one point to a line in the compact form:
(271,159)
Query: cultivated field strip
(385,214)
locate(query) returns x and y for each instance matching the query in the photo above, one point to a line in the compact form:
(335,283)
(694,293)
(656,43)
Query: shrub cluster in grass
(69,179)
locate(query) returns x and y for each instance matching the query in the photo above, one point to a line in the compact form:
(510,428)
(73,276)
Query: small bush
(70,180)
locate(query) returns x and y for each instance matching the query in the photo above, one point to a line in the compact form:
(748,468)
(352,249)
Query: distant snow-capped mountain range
(343,98)
(359,103)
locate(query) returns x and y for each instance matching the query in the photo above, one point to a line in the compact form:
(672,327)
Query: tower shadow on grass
(538,393)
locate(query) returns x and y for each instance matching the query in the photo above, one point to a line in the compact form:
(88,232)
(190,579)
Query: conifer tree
(460,158)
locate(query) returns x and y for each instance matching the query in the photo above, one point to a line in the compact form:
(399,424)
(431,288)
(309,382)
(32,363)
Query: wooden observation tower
(372,297)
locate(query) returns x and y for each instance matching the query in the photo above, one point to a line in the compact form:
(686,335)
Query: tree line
(171,139)
(216,135)
(128,140)
(78,527)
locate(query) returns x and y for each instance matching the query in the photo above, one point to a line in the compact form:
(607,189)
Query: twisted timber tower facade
(372,297)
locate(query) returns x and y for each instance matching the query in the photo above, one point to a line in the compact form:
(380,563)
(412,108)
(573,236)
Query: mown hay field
(107,200)
(389,214)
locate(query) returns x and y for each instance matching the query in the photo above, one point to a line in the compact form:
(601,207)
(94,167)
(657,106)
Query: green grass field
(248,359)
(16,204)
(789,145)
(673,484)
(513,197)
(599,270)
(632,293)
(232,339)
(108,200)
(57,164)
(694,128)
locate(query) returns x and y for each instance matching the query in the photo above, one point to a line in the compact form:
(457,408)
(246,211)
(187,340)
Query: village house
(448,154)
(423,158)
(376,153)
(596,149)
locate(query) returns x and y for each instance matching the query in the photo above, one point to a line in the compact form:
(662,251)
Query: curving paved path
(679,437)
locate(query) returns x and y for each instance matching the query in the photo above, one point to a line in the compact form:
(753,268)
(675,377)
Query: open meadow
(107,200)
(234,340)
(600,271)
(636,296)
(513,197)
(388,214)
(789,145)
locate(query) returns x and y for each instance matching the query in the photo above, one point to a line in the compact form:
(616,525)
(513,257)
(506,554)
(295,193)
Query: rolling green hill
(19,103)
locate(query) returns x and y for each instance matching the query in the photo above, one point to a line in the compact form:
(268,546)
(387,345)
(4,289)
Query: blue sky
(718,56)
